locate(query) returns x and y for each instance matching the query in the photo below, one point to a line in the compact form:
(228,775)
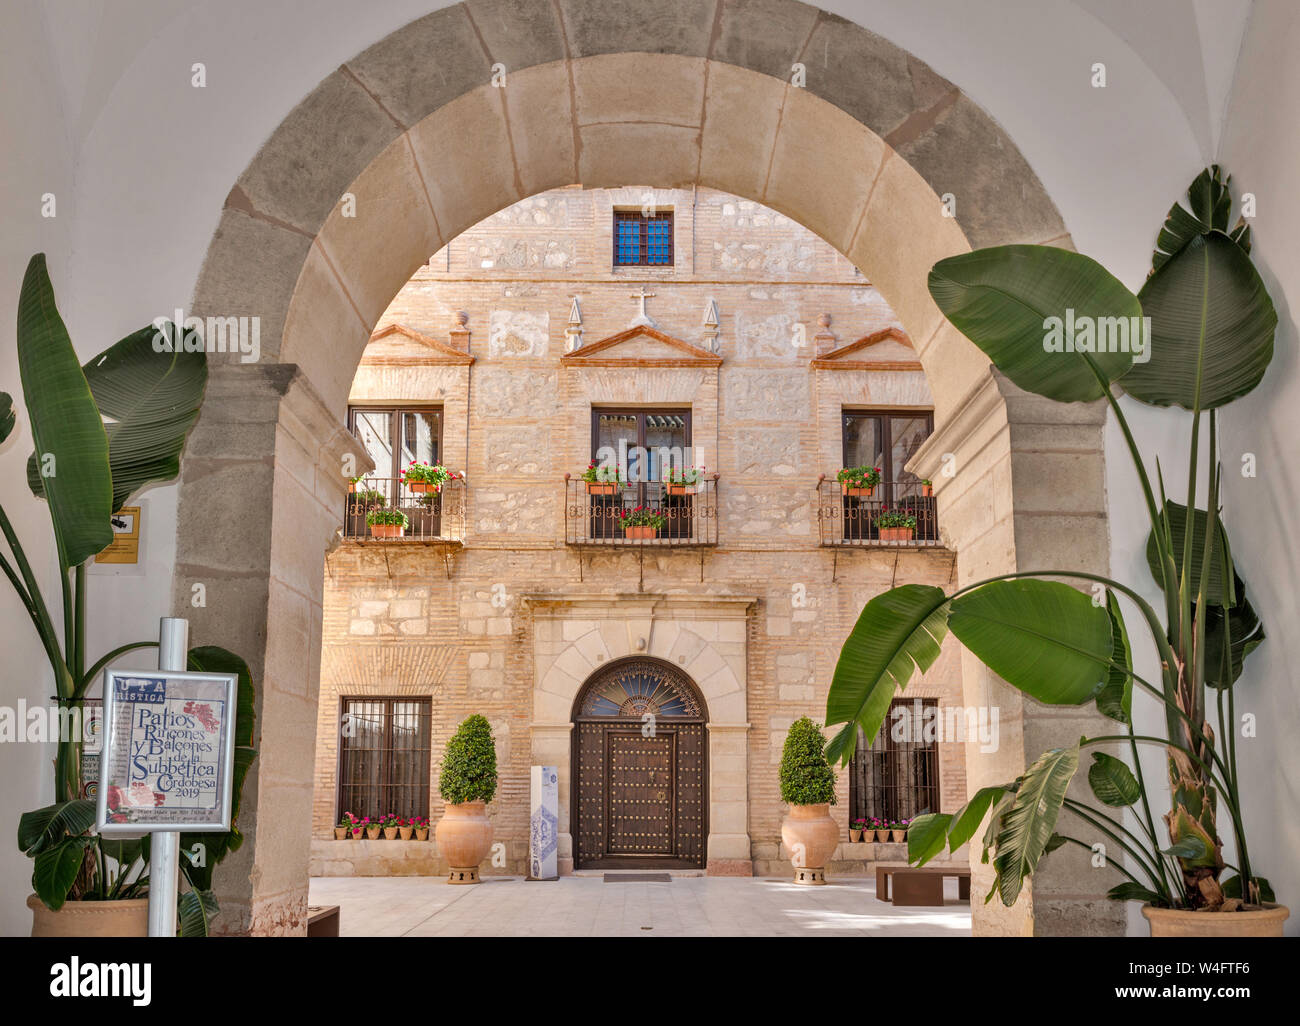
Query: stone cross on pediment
(643,319)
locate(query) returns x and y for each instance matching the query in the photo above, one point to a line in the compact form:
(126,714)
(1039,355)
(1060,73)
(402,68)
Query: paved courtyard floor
(586,906)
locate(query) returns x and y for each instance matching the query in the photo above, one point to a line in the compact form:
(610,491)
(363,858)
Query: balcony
(593,519)
(847,520)
(434,519)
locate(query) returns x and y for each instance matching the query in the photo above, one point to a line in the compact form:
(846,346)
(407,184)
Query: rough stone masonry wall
(395,623)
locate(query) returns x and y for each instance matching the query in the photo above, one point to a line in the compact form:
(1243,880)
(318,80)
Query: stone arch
(860,151)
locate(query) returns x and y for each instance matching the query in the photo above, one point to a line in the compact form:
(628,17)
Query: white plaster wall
(98,107)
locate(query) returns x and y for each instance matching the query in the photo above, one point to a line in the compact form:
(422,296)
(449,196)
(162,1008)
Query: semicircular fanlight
(634,689)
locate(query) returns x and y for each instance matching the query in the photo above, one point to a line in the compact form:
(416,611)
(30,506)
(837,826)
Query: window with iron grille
(898,776)
(384,757)
(641,240)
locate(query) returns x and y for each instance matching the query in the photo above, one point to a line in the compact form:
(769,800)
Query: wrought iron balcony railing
(596,515)
(855,519)
(369,514)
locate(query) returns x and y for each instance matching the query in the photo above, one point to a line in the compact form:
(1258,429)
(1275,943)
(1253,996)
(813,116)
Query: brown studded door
(639,770)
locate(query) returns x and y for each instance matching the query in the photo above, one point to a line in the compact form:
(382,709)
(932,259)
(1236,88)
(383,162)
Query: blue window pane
(659,240)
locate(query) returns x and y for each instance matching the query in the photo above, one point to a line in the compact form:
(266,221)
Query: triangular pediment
(641,346)
(397,345)
(887,349)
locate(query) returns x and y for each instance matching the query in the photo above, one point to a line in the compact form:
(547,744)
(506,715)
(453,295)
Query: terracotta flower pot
(372,833)
(422,834)
(861,493)
(356,834)
(90,918)
(422,487)
(882,836)
(464,836)
(640,533)
(812,836)
(855,837)
(898,836)
(386,530)
(927,491)
(390,833)
(869,837)
(341,833)
(896,534)
(679,489)
(1171,922)
(405,833)
(596,488)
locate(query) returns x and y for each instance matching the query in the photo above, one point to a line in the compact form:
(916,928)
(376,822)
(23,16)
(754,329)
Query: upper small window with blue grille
(643,241)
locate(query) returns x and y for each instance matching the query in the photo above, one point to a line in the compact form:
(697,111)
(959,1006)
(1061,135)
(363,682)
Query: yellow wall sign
(125,547)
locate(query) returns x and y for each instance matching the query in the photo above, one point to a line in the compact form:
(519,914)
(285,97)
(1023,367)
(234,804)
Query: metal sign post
(165,846)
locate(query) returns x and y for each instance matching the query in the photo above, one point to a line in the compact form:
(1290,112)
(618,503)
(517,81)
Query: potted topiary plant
(386,523)
(895,525)
(601,479)
(467,783)
(641,523)
(1202,330)
(808,787)
(859,482)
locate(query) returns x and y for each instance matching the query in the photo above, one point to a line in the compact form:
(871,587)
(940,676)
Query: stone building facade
(513,335)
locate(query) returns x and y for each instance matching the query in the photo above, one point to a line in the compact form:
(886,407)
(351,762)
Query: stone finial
(709,337)
(824,340)
(573,333)
(458,336)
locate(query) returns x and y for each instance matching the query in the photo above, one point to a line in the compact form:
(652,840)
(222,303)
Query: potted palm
(859,482)
(112,427)
(641,523)
(601,479)
(1206,310)
(895,525)
(467,783)
(386,523)
(808,787)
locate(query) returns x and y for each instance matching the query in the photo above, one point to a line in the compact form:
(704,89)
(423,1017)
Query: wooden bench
(923,886)
(322,920)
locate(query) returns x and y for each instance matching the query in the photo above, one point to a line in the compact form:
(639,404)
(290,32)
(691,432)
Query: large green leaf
(7,416)
(968,818)
(1240,624)
(1027,826)
(1043,637)
(55,871)
(1209,207)
(1112,781)
(149,401)
(194,913)
(926,837)
(1002,299)
(1220,557)
(1212,325)
(65,422)
(41,829)
(1115,699)
(898,633)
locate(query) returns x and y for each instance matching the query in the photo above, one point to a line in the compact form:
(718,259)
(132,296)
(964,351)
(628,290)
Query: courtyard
(605,905)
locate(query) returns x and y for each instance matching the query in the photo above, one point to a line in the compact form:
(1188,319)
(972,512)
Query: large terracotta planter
(464,836)
(1172,922)
(896,534)
(641,533)
(812,836)
(90,918)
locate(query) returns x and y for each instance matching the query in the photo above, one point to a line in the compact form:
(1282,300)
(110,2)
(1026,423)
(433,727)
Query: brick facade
(493,627)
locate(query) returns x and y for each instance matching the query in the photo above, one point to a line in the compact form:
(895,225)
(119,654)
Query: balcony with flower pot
(423,507)
(680,512)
